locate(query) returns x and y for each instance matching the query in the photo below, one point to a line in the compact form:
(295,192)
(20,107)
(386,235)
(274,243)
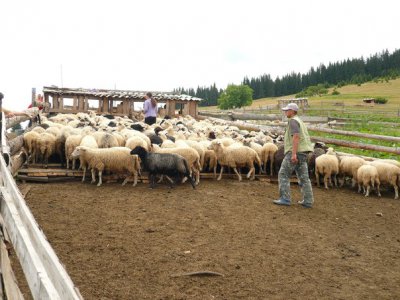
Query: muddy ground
(136,243)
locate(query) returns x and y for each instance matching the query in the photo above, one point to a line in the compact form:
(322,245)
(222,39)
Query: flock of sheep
(116,144)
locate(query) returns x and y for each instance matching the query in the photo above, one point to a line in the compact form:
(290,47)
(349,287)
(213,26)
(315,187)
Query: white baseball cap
(292,106)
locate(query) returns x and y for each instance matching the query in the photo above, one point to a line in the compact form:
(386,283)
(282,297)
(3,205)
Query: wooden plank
(11,289)
(357,134)
(395,150)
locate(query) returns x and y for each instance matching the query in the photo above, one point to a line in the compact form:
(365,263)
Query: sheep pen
(136,243)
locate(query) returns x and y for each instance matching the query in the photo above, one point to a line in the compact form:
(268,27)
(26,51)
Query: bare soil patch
(130,242)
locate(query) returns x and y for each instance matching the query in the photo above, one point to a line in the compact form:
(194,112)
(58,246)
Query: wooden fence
(46,277)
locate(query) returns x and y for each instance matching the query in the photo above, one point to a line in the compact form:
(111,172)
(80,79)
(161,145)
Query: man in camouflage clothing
(297,145)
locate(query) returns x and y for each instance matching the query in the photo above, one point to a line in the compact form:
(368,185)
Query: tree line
(350,71)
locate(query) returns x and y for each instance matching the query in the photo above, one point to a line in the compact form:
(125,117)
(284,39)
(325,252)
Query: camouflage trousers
(301,170)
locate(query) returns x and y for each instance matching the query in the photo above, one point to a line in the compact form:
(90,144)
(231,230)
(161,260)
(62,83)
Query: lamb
(169,164)
(117,159)
(267,154)
(328,165)
(235,156)
(349,165)
(367,175)
(389,174)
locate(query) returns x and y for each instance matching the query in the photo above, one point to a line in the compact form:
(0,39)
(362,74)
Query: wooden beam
(356,145)
(357,134)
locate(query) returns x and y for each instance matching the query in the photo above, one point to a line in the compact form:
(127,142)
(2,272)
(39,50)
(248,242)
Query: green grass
(365,128)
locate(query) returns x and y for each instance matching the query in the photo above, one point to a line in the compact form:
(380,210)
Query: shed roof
(117,94)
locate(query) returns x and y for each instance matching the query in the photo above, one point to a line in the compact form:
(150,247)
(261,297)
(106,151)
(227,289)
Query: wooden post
(171,108)
(125,107)
(81,103)
(85,103)
(61,102)
(106,105)
(46,100)
(75,103)
(55,101)
(33,96)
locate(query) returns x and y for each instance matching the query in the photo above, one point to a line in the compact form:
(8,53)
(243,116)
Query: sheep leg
(152,179)
(94,175)
(378,184)
(359,188)
(135,178)
(367,193)
(326,178)
(396,192)
(100,177)
(271,164)
(161,179)
(84,173)
(220,173)
(237,173)
(197,175)
(335,180)
(317,177)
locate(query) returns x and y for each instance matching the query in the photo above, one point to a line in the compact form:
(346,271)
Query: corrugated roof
(118,94)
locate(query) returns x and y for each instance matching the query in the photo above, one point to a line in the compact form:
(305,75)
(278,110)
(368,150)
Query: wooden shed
(301,102)
(114,102)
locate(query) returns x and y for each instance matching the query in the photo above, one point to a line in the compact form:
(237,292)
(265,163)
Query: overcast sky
(159,45)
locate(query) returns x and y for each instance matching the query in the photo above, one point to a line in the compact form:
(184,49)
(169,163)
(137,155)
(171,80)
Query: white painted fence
(46,277)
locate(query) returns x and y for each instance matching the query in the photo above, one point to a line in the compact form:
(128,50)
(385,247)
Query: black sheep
(137,127)
(171,165)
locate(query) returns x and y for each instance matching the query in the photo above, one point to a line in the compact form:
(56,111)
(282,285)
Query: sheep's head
(78,151)
(331,151)
(215,144)
(139,151)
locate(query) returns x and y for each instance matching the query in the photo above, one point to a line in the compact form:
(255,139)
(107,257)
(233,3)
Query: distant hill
(350,94)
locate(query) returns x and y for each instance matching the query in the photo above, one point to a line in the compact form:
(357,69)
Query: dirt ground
(135,243)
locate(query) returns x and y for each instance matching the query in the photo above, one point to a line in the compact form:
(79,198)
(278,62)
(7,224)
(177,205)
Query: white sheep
(348,166)
(135,141)
(90,142)
(367,176)
(71,143)
(117,159)
(30,139)
(389,174)
(234,157)
(46,146)
(267,154)
(328,165)
(105,139)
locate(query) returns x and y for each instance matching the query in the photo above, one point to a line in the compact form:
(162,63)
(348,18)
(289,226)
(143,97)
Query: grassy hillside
(351,96)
